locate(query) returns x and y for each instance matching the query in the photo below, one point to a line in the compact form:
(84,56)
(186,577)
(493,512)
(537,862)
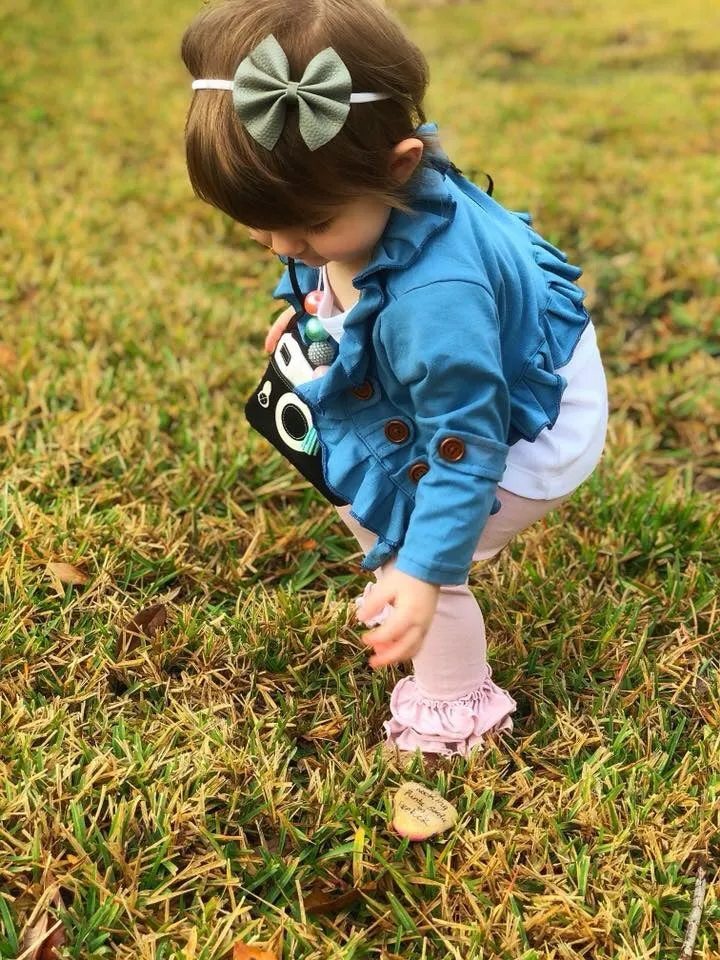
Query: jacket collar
(407,234)
(405,237)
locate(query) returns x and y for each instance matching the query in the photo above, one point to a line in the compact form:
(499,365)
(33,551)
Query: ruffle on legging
(446,726)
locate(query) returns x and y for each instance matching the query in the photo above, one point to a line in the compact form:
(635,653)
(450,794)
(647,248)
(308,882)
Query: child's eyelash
(321,227)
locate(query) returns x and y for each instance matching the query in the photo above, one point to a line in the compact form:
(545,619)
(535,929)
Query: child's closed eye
(322,226)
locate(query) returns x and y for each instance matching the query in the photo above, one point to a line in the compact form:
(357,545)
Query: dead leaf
(326,902)
(56,939)
(330,730)
(146,622)
(191,945)
(241,951)
(67,573)
(8,357)
(45,934)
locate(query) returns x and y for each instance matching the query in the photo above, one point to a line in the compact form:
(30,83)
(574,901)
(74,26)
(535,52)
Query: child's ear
(404,159)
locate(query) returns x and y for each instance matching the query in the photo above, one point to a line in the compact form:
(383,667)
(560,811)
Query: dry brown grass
(196,786)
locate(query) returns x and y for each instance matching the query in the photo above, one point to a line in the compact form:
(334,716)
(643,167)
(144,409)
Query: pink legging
(451,700)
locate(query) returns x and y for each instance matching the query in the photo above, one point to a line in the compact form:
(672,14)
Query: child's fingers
(373,604)
(386,660)
(404,649)
(277,330)
(391,631)
(274,334)
(378,645)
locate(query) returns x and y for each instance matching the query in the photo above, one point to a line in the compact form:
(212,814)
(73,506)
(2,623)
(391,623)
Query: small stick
(693,926)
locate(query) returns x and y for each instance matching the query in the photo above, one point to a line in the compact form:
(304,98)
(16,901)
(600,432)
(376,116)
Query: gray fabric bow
(262,91)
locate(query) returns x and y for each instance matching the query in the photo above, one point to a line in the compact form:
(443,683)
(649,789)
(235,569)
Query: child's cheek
(345,242)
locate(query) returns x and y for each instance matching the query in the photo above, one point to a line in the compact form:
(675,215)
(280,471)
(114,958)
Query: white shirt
(331,317)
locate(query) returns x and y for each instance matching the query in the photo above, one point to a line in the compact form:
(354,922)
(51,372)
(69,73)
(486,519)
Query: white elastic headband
(262,90)
(228,85)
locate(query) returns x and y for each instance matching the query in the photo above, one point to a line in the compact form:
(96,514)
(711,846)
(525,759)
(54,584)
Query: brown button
(396,431)
(417,471)
(364,391)
(452,449)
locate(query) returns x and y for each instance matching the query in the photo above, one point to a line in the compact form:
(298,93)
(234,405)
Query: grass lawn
(198,787)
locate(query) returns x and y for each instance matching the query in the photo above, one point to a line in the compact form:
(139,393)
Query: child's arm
(443,344)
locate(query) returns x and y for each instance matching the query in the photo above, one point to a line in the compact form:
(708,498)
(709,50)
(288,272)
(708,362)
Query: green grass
(202,783)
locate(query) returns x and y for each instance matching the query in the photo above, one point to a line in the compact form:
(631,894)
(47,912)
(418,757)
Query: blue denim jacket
(447,359)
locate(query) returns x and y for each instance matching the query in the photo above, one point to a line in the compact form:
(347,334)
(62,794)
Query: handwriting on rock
(423,804)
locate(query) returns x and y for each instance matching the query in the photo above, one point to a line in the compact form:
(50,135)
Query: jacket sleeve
(443,343)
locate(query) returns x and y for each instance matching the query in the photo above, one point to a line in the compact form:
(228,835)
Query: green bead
(315,331)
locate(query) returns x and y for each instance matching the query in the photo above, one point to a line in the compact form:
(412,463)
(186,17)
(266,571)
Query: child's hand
(278,328)
(400,637)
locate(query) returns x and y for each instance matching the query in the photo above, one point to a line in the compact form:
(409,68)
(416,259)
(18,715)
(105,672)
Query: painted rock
(419,813)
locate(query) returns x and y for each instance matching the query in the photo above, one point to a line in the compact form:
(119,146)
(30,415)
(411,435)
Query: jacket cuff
(453,502)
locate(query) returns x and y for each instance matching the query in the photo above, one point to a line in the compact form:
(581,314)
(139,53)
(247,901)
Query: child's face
(345,234)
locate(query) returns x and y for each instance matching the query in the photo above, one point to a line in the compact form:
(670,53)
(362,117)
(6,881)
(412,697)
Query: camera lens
(294,422)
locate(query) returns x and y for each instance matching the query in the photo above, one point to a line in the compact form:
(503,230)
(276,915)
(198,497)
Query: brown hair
(289,185)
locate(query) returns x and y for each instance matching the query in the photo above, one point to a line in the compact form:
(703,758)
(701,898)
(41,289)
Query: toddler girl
(460,394)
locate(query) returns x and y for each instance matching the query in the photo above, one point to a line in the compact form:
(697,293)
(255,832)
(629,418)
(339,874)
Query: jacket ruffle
(359,477)
(398,249)
(536,393)
(350,469)
(351,364)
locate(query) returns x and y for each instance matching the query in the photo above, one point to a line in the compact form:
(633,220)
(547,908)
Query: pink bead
(313,301)
(319,372)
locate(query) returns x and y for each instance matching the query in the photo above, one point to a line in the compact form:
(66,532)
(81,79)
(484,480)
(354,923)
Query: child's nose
(287,244)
